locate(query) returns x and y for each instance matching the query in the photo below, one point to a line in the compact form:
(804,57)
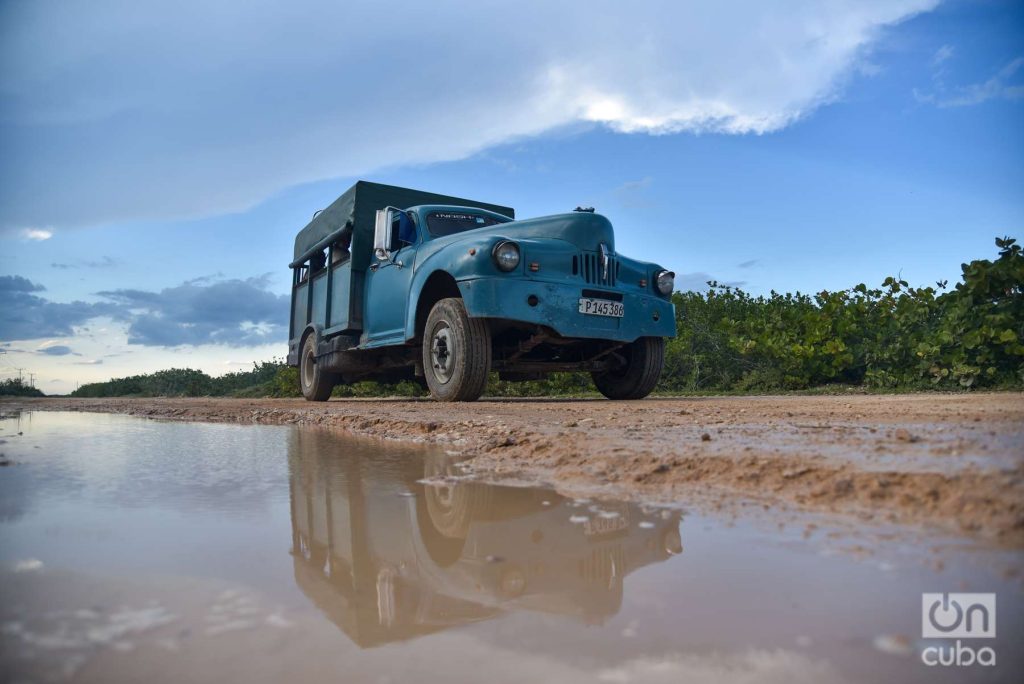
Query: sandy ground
(951,462)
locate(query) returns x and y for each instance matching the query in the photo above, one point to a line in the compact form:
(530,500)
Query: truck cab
(391,283)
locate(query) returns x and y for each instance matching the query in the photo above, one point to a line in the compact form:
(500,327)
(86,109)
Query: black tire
(456,352)
(316,383)
(637,377)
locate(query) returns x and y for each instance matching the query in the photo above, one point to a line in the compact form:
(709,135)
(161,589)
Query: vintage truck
(390,283)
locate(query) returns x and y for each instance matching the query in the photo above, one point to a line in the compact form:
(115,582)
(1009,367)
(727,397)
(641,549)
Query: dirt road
(952,462)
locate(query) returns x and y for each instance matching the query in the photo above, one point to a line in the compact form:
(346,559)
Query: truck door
(387,286)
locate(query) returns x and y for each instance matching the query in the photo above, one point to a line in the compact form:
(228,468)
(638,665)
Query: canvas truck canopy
(354,212)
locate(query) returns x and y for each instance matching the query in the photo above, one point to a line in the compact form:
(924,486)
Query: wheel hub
(442,353)
(307,368)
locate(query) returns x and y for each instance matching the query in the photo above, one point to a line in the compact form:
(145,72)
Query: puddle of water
(181,551)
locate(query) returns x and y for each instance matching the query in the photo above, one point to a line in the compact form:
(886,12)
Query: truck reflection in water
(387,557)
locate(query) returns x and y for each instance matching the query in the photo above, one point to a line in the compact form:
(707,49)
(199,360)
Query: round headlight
(665,281)
(506,255)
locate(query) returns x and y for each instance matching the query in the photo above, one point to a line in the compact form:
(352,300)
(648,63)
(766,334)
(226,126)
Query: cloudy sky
(156,161)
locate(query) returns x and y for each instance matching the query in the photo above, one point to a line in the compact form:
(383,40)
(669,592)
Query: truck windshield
(441,223)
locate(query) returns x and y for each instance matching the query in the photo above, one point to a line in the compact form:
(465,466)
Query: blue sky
(157,162)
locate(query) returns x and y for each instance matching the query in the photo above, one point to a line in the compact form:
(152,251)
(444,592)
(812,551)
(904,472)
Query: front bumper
(557,307)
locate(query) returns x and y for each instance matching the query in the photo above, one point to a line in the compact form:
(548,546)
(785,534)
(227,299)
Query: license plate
(601,307)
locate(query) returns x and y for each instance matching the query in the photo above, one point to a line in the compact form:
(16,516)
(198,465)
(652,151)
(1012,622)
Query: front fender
(462,260)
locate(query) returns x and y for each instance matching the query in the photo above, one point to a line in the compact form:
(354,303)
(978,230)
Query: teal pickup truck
(390,283)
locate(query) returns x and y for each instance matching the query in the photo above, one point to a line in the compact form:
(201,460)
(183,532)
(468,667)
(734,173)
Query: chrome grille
(588,264)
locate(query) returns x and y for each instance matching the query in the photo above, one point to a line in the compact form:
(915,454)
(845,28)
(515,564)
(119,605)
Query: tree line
(893,337)
(16,387)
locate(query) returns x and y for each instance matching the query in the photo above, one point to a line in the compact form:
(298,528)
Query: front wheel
(316,383)
(638,375)
(456,352)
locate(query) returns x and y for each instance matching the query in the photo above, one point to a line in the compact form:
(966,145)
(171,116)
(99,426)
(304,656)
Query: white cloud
(634,194)
(110,356)
(1000,86)
(138,110)
(942,54)
(38,234)
(28,565)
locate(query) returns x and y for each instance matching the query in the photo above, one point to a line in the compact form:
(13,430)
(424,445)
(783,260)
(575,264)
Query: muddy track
(951,461)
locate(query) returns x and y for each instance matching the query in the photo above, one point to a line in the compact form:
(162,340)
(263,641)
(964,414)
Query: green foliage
(372,388)
(980,340)
(285,382)
(16,387)
(266,379)
(894,337)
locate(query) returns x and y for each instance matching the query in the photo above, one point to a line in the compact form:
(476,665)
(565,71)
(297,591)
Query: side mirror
(382,234)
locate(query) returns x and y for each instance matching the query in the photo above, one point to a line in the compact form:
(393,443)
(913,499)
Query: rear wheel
(316,383)
(635,378)
(456,352)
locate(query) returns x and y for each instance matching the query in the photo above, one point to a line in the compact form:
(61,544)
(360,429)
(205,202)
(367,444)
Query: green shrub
(895,336)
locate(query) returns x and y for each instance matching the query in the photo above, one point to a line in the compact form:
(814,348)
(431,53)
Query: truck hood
(585,230)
